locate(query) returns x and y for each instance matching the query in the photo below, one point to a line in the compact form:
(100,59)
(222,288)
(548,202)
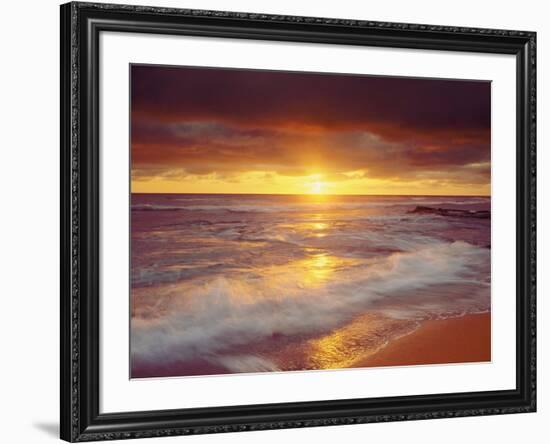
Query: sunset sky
(211,130)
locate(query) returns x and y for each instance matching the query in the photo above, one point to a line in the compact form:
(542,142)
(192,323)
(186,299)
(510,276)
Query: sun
(317,187)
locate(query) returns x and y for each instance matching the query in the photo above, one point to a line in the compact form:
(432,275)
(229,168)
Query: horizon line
(321,194)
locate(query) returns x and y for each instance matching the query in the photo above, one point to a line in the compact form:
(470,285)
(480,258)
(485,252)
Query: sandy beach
(464,339)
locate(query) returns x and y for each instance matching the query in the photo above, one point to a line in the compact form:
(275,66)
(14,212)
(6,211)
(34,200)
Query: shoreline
(442,341)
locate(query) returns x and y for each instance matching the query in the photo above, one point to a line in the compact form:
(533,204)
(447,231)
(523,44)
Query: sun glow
(315,184)
(317,187)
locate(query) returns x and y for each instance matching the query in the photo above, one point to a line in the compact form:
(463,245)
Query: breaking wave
(205,319)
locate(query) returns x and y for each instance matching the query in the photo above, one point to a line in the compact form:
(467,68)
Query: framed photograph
(277,221)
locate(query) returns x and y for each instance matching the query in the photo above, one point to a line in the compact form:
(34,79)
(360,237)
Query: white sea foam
(245,363)
(207,317)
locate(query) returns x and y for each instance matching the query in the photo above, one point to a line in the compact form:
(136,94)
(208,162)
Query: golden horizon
(316,195)
(315,184)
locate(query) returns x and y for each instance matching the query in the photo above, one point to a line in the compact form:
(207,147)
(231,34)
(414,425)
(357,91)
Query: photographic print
(292,221)
(343,204)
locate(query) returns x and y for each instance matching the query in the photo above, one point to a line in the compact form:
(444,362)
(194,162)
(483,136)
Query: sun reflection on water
(316,269)
(356,341)
(319,229)
(319,225)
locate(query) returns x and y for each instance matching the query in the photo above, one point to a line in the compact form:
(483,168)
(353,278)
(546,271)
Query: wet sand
(464,339)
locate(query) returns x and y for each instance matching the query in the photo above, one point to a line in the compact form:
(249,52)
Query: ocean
(252,283)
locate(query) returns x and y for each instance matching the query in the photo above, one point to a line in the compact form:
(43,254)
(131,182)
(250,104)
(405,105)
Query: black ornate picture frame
(81,25)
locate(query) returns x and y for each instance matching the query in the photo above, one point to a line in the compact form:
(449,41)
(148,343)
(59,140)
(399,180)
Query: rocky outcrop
(480,214)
